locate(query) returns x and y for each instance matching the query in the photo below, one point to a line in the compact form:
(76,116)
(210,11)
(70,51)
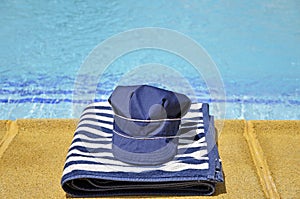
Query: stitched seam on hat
(145,138)
(139,120)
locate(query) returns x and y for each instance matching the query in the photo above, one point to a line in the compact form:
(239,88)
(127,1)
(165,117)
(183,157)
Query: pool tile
(279,141)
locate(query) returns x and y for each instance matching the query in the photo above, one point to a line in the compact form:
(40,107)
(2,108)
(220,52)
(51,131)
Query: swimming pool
(254,44)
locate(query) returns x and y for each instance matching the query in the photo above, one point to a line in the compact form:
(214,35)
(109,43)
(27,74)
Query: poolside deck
(260,158)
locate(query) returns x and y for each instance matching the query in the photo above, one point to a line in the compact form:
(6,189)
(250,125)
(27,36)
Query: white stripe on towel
(132,169)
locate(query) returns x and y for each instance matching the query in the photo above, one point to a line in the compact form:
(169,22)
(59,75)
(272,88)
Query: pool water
(255,45)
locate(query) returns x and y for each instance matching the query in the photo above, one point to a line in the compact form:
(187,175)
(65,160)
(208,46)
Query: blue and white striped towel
(91,170)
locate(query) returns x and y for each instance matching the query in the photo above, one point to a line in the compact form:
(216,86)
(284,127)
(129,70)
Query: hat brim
(159,156)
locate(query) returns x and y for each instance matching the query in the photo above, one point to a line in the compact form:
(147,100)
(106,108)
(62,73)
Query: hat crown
(146,102)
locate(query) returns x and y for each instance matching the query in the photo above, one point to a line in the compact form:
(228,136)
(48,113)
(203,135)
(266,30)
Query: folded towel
(92,170)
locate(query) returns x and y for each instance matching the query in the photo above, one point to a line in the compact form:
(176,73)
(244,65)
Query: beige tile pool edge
(3,128)
(33,153)
(9,131)
(267,182)
(279,141)
(32,165)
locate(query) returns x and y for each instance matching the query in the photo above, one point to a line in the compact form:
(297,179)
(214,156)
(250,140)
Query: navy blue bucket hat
(146,123)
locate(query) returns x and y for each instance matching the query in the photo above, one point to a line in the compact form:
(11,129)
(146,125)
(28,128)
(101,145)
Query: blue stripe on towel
(91,141)
(92,135)
(90,150)
(97,127)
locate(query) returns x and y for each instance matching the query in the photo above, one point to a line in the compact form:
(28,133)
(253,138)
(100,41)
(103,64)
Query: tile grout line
(264,174)
(11,132)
